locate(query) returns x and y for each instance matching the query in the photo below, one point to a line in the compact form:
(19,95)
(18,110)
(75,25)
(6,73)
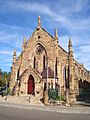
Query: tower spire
(71,72)
(70,47)
(39,21)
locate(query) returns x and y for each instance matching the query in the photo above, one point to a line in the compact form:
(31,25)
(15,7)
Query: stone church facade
(44,64)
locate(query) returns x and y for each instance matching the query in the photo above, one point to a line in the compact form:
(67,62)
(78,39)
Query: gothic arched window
(39,58)
(64,77)
(39,49)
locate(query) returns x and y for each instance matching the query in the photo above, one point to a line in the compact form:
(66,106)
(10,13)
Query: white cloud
(5,52)
(62,14)
(73,6)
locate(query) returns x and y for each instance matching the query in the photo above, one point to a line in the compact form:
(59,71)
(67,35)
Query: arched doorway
(31,86)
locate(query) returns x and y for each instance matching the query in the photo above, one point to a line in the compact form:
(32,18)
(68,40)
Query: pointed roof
(70,42)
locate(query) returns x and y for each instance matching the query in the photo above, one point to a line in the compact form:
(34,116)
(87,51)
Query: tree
(4,78)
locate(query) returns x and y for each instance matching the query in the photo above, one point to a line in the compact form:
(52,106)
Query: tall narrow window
(65,73)
(43,62)
(18,72)
(51,84)
(64,77)
(56,67)
(34,63)
(68,77)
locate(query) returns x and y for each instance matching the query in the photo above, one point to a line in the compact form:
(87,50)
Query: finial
(24,39)
(14,53)
(70,42)
(39,22)
(14,56)
(56,33)
(70,47)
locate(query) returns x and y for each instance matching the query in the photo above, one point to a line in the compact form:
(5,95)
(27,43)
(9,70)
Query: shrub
(53,94)
(61,98)
(6,92)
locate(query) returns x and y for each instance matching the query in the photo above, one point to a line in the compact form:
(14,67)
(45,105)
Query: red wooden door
(30,85)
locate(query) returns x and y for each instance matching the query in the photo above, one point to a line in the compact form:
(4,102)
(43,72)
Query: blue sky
(18,18)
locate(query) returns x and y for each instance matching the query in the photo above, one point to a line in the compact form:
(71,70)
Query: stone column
(61,80)
(45,96)
(71,73)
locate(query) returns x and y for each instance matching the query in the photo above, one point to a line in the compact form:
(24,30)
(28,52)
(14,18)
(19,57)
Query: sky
(18,18)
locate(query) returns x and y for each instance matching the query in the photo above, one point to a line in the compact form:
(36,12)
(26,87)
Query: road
(9,113)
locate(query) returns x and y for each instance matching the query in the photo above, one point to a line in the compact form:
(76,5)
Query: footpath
(62,109)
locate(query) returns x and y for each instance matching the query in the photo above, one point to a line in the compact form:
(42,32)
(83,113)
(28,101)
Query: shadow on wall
(84,91)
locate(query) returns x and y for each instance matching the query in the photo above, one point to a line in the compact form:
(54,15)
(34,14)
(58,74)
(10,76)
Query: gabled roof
(48,33)
(43,30)
(62,49)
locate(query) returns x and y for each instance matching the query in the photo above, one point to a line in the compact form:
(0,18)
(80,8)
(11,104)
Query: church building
(44,64)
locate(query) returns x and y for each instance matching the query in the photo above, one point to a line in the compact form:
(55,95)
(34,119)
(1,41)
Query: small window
(37,29)
(38,37)
(37,92)
(51,84)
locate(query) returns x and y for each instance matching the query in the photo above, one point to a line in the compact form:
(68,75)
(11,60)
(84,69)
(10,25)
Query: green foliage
(6,92)
(4,78)
(53,94)
(61,98)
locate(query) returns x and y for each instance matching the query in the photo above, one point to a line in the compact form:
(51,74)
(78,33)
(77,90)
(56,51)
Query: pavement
(11,113)
(40,107)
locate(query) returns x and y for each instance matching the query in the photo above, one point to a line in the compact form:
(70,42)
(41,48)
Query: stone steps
(22,99)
